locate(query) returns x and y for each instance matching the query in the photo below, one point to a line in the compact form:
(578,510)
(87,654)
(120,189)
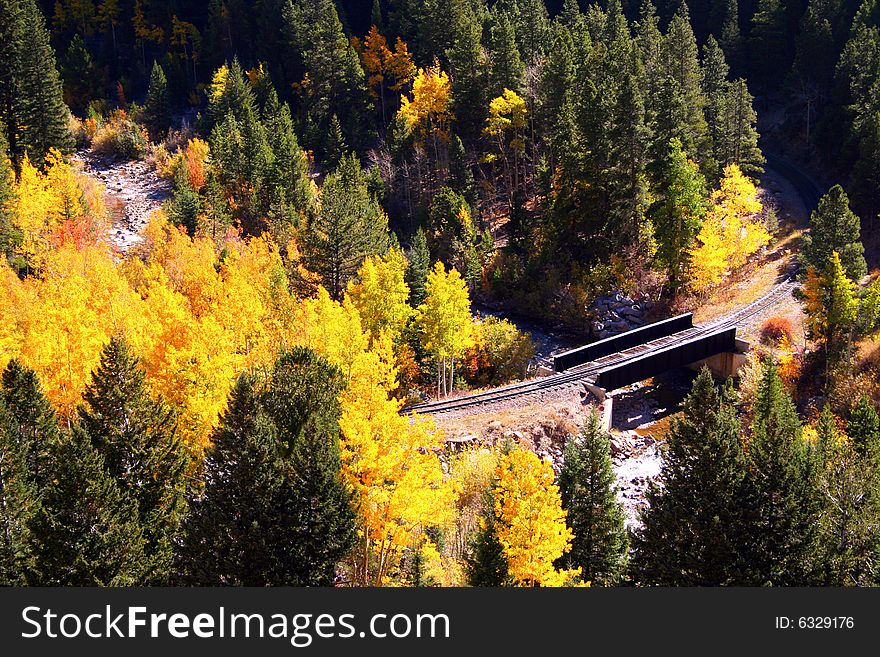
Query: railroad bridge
(603,366)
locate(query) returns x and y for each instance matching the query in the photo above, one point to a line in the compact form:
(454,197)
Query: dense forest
(221,401)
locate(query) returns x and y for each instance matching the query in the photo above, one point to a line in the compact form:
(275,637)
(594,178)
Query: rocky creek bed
(133,191)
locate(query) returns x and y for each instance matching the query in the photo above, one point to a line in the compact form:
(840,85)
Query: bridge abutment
(727,363)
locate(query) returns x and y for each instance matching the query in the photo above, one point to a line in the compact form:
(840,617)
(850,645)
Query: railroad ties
(617,361)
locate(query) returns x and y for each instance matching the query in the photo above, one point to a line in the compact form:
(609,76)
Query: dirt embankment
(133,191)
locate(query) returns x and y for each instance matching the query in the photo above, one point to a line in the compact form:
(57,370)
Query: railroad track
(550,386)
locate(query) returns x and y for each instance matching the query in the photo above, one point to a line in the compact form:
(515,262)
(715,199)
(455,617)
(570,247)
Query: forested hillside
(218,400)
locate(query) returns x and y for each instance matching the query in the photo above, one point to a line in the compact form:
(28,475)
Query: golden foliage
(731,231)
(381,294)
(445,316)
(55,206)
(428,112)
(381,63)
(507,114)
(530,520)
(392,463)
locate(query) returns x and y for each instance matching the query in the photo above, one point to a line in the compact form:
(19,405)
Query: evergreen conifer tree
(834,227)
(863,428)
(740,135)
(589,495)
(10,236)
(136,437)
(287,177)
(11,43)
(315,506)
(229,535)
(79,74)
(468,69)
(507,69)
(849,524)
(184,207)
(157,107)
(419,266)
(44,118)
(18,501)
(461,178)
(86,532)
(730,37)
(349,227)
(487,566)
(681,62)
(677,215)
(694,531)
(783,493)
(34,422)
(768,52)
(28,432)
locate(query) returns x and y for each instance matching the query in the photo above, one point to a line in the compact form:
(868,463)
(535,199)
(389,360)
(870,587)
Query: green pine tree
(10,235)
(287,177)
(769,56)
(461,178)
(849,525)
(730,37)
(34,421)
(136,436)
(79,74)
(86,532)
(157,107)
(337,84)
(863,428)
(19,499)
(694,531)
(419,265)
(834,227)
(783,492)
(486,566)
(336,148)
(507,69)
(230,534)
(185,205)
(595,517)
(44,118)
(349,227)
(11,42)
(740,141)
(716,87)
(678,214)
(468,69)
(531,24)
(315,508)
(681,63)
(28,431)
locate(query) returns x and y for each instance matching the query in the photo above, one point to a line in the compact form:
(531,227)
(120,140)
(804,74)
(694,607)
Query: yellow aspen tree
(392,463)
(15,306)
(332,329)
(710,258)
(445,322)
(428,113)
(530,520)
(381,295)
(80,300)
(731,231)
(506,124)
(400,65)
(42,202)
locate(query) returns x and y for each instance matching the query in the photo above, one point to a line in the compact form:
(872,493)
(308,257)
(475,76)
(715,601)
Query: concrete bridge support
(605,405)
(725,364)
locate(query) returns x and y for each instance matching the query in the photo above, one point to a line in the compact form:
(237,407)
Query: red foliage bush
(774,329)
